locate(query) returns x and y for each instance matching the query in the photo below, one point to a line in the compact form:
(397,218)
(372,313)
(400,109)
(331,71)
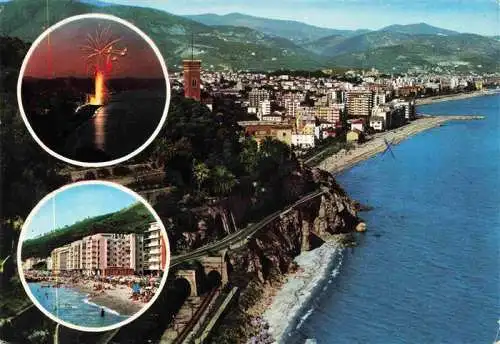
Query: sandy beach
(286,302)
(447,97)
(116,297)
(345,159)
(118,300)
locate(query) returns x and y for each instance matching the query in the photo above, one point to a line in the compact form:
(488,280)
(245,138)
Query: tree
(223,181)
(249,156)
(201,174)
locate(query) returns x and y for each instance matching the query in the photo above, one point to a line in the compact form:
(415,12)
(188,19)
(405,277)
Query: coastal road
(242,234)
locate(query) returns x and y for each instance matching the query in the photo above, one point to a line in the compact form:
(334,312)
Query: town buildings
(288,105)
(108,254)
(359,103)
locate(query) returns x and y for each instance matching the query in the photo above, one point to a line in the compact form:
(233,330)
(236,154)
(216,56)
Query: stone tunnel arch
(217,264)
(188,276)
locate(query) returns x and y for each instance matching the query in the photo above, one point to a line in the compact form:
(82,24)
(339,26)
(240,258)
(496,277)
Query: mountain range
(243,42)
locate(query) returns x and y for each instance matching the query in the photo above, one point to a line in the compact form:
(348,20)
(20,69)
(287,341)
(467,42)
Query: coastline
(448,97)
(114,300)
(292,300)
(281,307)
(346,159)
(290,303)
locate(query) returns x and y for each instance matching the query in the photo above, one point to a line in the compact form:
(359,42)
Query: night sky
(68,59)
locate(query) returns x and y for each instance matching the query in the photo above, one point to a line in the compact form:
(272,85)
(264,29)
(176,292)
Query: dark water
(73,307)
(117,129)
(427,271)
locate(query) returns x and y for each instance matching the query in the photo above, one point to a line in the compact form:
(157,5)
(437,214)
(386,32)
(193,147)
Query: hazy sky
(477,16)
(65,56)
(76,204)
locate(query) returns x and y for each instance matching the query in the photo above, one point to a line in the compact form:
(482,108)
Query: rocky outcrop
(273,248)
(259,267)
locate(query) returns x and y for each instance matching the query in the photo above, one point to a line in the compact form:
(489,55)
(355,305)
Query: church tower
(192,76)
(192,79)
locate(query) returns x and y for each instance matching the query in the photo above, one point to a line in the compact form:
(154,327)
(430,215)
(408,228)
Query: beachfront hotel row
(108,254)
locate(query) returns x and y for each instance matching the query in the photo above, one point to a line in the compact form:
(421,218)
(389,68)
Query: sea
(427,270)
(74,307)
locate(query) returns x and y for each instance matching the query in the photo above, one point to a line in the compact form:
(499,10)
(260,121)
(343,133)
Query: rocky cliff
(268,256)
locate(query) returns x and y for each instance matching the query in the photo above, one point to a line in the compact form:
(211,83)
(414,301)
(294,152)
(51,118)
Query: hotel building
(155,251)
(359,104)
(102,254)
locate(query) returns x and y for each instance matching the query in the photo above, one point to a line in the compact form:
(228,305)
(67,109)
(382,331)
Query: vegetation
(134,219)
(27,173)
(223,46)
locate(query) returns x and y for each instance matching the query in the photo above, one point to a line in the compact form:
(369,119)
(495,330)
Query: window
(193,83)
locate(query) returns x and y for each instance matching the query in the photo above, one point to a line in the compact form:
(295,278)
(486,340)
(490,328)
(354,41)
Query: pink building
(112,254)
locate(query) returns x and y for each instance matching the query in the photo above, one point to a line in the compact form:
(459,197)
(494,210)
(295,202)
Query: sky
(75,204)
(64,55)
(475,16)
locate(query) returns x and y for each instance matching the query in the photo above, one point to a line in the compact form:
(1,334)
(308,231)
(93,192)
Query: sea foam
(318,266)
(106,309)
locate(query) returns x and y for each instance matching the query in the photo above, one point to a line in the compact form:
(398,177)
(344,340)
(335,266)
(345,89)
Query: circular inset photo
(93,90)
(93,256)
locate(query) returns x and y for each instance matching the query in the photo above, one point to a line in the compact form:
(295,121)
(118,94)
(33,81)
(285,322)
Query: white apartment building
(303,140)
(154,249)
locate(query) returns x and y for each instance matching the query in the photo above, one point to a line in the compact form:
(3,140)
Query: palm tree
(201,173)
(223,180)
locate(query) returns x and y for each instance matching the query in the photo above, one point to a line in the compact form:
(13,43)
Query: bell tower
(192,76)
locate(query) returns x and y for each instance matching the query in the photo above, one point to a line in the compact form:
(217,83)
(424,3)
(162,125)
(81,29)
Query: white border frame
(143,36)
(20,263)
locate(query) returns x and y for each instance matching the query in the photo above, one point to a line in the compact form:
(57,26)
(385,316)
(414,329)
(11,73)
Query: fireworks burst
(100,50)
(100,53)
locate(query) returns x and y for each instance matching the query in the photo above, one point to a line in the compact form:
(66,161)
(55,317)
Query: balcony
(153,236)
(153,244)
(155,251)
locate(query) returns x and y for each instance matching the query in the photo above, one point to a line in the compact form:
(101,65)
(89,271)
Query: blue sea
(427,270)
(74,307)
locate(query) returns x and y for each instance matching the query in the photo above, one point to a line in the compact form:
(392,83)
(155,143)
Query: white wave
(106,309)
(311,341)
(304,318)
(300,288)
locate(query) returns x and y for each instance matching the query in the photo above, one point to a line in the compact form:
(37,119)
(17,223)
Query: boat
(86,110)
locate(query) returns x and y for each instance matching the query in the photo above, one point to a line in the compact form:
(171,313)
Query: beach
(448,97)
(283,302)
(76,299)
(347,158)
(115,298)
(296,296)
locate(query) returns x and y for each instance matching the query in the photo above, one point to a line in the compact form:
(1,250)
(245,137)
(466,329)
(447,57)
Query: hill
(219,47)
(134,219)
(293,30)
(419,29)
(462,52)
(338,45)
(399,47)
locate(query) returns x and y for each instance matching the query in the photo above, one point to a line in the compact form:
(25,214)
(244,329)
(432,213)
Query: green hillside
(134,219)
(459,52)
(293,30)
(220,47)
(338,45)
(419,29)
